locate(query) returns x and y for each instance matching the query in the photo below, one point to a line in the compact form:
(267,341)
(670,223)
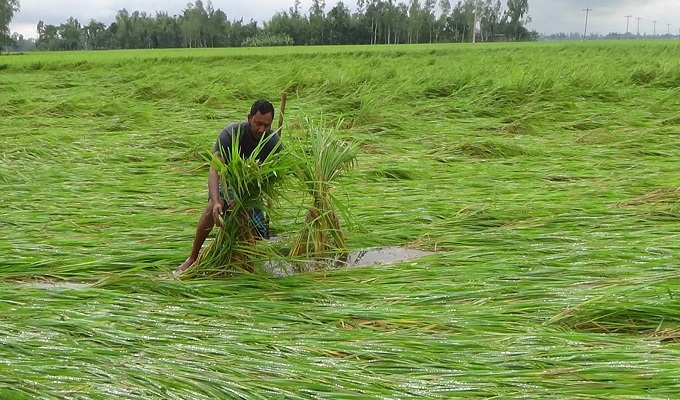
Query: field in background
(545,176)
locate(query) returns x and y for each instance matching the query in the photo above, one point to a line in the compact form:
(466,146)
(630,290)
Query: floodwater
(361,258)
(54,284)
(385,256)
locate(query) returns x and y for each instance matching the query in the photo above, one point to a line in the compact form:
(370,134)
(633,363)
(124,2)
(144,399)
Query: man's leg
(258,220)
(205,225)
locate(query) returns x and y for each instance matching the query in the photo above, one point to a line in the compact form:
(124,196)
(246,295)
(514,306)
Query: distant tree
(17,42)
(218,28)
(69,32)
(142,30)
(377,11)
(490,20)
(280,23)
(11,42)
(317,22)
(416,20)
(194,24)
(390,21)
(402,26)
(7,10)
(111,34)
(94,35)
(167,32)
(123,30)
(362,32)
(23,44)
(429,18)
(340,24)
(7,43)
(291,23)
(517,17)
(48,37)
(442,21)
(241,31)
(461,20)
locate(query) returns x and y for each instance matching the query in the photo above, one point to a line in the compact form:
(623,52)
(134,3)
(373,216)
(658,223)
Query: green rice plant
(320,163)
(491,149)
(249,183)
(640,306)
(395,173)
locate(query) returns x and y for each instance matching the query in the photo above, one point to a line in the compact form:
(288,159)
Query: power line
(585,30)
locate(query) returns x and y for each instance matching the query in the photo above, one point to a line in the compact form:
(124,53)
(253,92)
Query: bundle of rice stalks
(250,184)
(320,161)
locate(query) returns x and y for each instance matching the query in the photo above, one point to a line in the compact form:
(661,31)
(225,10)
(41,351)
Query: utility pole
(627,21)
(669,29)
(638,28)
(474,23)
(585,30)
(655,21)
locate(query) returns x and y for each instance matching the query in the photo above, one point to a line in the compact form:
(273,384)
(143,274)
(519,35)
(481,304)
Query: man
(252,131)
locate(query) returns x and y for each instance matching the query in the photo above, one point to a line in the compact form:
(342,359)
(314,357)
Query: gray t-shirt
(247,143)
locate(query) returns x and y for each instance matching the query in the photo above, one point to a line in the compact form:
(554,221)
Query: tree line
(373,22)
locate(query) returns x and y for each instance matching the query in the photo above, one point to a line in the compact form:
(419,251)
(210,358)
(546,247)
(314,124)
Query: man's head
(260,118)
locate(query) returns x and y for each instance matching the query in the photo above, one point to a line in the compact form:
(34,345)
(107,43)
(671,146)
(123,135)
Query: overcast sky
(548,16)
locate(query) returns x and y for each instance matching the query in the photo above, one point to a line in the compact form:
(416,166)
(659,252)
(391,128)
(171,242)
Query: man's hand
(217,214)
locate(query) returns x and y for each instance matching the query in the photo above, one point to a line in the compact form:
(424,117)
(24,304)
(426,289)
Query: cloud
(606,16)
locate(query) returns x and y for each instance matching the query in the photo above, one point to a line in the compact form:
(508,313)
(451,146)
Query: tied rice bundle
(319,165)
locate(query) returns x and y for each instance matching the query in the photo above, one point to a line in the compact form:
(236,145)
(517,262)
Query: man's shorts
(258,219)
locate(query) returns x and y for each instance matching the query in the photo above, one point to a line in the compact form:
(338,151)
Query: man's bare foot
(186,264)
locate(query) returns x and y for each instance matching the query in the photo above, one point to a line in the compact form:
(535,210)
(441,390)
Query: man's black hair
(263,107)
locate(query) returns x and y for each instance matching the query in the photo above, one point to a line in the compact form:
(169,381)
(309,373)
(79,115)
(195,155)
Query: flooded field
(538,181)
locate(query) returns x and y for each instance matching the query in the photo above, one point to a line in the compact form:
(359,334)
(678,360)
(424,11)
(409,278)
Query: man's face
(259,124)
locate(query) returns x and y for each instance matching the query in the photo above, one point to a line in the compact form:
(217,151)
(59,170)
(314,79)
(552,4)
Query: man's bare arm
(214,191)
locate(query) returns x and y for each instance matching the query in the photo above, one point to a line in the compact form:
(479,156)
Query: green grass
(545,177)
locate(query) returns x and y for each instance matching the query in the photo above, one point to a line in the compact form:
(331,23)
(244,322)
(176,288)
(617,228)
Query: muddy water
(55,284)
(361,258)
(385,256)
